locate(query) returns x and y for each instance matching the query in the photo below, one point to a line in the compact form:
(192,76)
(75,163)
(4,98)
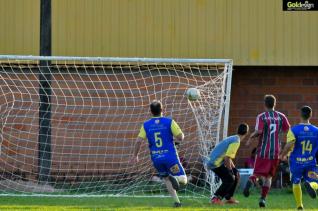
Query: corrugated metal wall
(19,27)
(252,32)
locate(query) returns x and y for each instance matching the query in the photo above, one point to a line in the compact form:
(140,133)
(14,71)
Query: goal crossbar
(114,59)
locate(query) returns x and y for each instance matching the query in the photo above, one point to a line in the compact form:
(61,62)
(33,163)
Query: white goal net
(89,124)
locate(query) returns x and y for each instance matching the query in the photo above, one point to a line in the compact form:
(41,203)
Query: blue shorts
(166,165)
(297,172)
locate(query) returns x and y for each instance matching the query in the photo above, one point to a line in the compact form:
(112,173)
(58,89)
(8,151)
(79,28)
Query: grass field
(278,200)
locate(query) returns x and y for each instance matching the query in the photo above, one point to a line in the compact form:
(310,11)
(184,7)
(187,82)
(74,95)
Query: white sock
(182,179)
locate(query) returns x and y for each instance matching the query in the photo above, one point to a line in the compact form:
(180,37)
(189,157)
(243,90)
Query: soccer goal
(69,124)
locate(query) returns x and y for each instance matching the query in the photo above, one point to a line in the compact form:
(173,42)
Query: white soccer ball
(193,94)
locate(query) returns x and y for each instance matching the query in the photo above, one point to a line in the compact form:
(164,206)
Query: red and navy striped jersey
(270,124)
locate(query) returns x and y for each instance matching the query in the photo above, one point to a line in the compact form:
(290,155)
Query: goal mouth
(94,110)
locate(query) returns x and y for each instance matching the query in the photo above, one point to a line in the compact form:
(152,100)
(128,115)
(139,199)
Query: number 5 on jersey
(158,139)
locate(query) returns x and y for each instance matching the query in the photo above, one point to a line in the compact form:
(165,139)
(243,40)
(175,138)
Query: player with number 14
(302,144)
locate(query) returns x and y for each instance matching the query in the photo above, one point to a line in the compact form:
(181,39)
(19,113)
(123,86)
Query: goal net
(94,110)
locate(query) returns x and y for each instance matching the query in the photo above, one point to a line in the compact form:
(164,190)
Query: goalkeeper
(220,162)
(302,142)
(159,131)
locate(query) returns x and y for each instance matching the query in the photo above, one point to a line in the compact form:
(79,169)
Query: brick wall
(292,86)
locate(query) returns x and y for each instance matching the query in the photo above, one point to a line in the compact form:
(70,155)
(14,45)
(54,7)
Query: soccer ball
(193,94)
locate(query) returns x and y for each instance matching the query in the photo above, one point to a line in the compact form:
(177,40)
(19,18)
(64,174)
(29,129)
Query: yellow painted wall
(252,32)
(19,27)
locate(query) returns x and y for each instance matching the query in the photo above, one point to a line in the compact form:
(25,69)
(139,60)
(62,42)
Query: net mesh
(97,109)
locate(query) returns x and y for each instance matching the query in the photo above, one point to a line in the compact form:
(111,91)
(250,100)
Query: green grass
(277,200)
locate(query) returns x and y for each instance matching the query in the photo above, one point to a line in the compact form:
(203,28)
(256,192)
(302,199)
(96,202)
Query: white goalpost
(95,110)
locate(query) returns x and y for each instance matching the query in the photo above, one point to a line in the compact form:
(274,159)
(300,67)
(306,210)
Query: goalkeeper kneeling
(220,162)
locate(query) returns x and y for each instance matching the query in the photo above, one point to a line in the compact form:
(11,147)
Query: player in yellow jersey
(302,142)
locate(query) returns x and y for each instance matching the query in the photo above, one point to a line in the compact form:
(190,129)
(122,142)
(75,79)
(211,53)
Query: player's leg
(174,182)
(229,197)
(298,195)
(272,165)
(296,173)
(252,180)
(182,179)
(176,176)
(314,184)
(163,172)
(267,182)
(172,191)
(228,181)
(310,188)
(176,170)
(311,181)
(260,168)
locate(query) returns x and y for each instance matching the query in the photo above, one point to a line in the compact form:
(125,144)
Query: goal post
(98,105)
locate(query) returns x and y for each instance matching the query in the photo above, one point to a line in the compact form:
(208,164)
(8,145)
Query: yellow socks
(298,195)
(314,185)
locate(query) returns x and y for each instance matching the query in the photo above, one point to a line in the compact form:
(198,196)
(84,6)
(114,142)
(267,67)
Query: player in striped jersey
(269,125)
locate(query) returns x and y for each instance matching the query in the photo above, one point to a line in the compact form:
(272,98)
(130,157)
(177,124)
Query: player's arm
(254,135)
(286,125)
(137,146)
(258,130)
(141,136)
(176,131)
(289,145)
(286,130)
(230,155)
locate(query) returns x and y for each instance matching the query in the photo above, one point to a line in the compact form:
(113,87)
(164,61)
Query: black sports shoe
(312,193)
(300,208)
(262,202)
(174,182)
(177,204)
(246,191)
